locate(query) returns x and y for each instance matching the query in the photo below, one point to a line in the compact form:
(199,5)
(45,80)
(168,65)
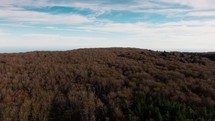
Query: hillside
(115,84)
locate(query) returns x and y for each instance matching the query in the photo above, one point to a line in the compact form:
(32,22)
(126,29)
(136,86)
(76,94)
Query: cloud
(4,33)
(14,25)
(180,28)
(52,40)
(169,8)
(18,14)
(99,7)
(202,13)
(183,34)
(53,37)
(195,4)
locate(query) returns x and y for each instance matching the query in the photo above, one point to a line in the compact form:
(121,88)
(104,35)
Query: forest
(107,84)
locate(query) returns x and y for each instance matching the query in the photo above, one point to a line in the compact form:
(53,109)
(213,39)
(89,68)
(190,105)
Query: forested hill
(115,84)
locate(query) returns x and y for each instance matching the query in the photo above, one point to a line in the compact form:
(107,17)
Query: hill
(115,84)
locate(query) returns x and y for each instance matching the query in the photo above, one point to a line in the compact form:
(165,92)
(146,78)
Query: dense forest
(114,84)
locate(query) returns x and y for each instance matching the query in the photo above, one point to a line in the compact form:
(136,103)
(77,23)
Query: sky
(170,25)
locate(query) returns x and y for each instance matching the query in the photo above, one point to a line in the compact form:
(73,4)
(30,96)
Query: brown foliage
(98,84)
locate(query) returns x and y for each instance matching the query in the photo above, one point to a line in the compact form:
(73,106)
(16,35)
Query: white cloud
(101,7)
(117,27)
(13,25)
(51,40)
(53,37)
(40,17)
(196,4)
(194,34)
(178,35)
(3,33)
(184,35)
(202,13)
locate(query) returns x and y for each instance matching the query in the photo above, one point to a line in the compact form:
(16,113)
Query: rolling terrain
(109,84)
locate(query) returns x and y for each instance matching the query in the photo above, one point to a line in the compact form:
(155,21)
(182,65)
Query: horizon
(27,50)
(160,25)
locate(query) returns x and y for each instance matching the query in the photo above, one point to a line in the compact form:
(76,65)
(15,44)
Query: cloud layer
(151,24)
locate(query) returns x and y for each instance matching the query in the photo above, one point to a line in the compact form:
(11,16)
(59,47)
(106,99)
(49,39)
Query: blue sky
(178,25)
